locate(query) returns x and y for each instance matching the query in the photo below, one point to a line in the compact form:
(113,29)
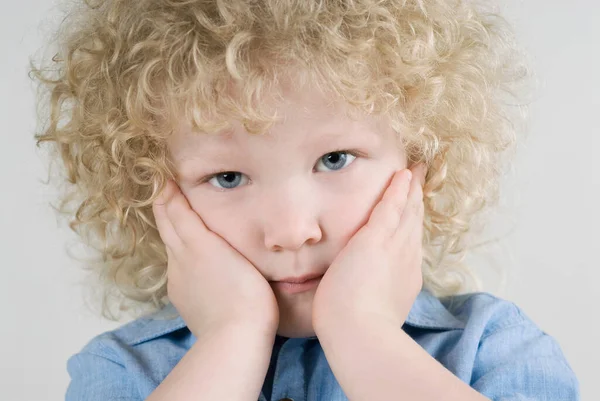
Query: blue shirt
(485,341)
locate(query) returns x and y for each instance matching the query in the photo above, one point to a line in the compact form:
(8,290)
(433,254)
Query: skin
(290,211)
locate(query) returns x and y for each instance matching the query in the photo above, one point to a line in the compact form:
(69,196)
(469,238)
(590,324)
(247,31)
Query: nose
(290,220)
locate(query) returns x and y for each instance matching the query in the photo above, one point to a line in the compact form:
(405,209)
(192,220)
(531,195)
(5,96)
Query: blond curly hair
(126,73)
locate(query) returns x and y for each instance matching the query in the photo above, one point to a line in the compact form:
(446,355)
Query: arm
(382,362)
(229,364)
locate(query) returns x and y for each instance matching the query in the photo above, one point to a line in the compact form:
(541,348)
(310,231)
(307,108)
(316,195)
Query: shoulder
(480,318)
(485,310)
(136,334)
(464,311)
(490,343)
(513,354)
(130,360)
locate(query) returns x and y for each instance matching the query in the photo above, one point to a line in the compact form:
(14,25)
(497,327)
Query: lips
(301,279)
(294,288)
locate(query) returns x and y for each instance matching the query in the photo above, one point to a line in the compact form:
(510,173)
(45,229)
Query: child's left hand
(377,275)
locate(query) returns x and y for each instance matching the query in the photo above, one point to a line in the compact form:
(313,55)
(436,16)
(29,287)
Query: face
(291,199)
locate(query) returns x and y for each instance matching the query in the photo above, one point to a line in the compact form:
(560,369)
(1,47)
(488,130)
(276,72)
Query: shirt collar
(427,312)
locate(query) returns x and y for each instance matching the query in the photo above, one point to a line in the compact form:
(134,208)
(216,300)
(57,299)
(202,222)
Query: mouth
(294,288)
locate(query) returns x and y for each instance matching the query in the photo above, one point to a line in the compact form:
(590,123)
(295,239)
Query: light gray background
(551,256)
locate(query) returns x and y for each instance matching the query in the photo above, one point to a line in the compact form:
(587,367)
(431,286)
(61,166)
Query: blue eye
(231,179)
(227,180)
(337,160)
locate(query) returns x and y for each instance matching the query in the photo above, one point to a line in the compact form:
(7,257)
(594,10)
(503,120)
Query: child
(290,188)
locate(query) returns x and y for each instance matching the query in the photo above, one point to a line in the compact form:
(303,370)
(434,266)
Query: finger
(169,252)
(410,229)
(386,215)
(187,223)
(159,209)
(411,221)
(420,170)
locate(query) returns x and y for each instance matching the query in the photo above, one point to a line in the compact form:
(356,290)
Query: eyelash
(210,176)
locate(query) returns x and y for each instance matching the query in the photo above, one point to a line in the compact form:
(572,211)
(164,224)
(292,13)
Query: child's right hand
(211,284)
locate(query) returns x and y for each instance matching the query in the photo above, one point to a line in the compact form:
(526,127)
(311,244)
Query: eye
(337,160)
(226,180)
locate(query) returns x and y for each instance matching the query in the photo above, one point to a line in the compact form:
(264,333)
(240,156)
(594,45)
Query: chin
(295,330)
(295,317)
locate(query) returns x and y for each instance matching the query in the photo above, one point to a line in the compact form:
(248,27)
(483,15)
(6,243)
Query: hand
(377,275)
(211,284)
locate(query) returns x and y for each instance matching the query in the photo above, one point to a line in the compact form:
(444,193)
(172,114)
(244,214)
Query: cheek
(231,224)
(224,220)
(349,213)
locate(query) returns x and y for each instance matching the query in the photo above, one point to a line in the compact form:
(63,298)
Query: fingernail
(409,175)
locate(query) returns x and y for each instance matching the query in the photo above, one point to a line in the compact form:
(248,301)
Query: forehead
(307,119)
(296,128)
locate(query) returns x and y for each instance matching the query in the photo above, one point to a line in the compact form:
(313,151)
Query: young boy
(291,186)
